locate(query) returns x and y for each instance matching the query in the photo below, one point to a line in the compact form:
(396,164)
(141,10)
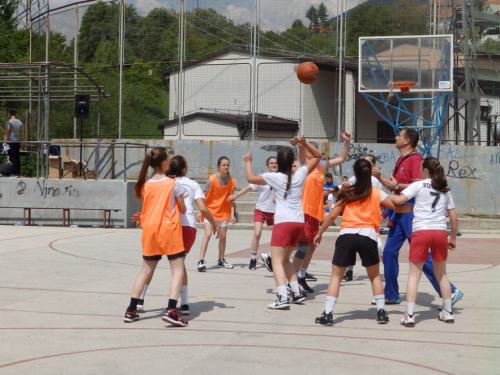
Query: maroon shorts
(261,217)
(423,240)
(286,234)
(188,237)
(311,229)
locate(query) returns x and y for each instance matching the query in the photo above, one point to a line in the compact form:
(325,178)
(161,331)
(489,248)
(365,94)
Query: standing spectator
(14,132)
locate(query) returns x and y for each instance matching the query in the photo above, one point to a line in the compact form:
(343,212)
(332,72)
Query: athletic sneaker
(172,316)
(393,301)
(297,297)
(325,319)
(310,277)
(253,264)
(382,317)
(184,310)
(408,321)
(140,305)
(348,275)
(131,316)
(305,288)
(455,297)
(281,303)
(221,263)
(446,316)
(264,256)
(269,264)
(202,266)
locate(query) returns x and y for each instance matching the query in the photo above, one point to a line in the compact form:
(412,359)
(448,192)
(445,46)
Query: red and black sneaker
(172,316)
(303,284)
(131,316)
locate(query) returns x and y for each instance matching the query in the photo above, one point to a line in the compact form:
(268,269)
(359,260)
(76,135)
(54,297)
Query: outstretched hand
(317,239)
(346,135)
(301,140)
(136,218)
(248,157)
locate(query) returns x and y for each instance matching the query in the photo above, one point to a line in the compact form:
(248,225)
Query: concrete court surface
(65,291)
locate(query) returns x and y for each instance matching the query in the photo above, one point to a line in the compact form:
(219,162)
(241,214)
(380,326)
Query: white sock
(410,308)
(253,256)
(330,304)
(447,304)
(294,286)
(380,301)
(350,268)
(144,292)
(282,291)
(184,295)
(302,272)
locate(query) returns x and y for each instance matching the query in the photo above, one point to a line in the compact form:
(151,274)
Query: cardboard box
(55,167)
(67,164)
(88,176)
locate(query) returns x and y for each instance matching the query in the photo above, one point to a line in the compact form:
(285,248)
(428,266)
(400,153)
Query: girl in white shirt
(264,209)
(289,217)
(429,230)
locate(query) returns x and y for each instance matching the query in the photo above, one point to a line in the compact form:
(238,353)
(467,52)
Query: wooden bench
(66,213)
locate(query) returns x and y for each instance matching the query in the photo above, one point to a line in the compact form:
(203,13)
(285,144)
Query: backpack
(6,169)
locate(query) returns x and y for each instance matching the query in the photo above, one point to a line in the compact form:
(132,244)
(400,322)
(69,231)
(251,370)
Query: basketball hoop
(404,86)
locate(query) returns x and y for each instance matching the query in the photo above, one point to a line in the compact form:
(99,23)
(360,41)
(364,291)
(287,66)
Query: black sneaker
(184,310)
(280,304)
(253,264)
(268,263)
(202,266)
(297,297)
(310,277)
(306,288)
(221,263)
(172,316)
(325,319)
(347,276)
(382,317)
(131,316)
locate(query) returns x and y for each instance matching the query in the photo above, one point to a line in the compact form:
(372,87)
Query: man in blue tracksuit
(406,171)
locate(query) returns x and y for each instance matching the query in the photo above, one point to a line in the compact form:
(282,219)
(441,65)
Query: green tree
(323,15)
(297,23)
(312,15)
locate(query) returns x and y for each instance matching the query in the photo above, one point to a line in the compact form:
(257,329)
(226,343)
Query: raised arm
(343,155)
(243,191)
(257,180)
(316,155)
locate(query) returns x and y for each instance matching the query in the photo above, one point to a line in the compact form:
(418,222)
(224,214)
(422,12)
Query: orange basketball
(307,73)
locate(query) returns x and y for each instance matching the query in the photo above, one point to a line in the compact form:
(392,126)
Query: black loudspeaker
(82,106)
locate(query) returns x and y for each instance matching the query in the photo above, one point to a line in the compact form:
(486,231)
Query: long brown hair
(436,173)
(153,159)
(363,186)
(177,164)
(285,162)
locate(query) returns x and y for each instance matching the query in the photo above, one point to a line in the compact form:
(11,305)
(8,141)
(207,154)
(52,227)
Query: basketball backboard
(425,60)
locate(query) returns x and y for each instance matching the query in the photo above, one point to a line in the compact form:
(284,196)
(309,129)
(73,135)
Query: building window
(385,132)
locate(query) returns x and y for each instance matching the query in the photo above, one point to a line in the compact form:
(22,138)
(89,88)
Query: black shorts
(169,257)
(346,247)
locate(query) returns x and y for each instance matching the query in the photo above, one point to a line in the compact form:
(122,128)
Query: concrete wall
(71,193)
(473,172)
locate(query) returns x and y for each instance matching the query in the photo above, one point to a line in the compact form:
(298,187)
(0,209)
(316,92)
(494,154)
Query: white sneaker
(202,266)
(446,317)
(408,321)
(221,263)
(281,303)
(264,256)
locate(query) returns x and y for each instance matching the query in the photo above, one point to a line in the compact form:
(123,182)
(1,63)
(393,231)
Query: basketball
(307,73)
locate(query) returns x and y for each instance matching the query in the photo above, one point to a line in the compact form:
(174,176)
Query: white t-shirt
(430,204)
(289,209)
(332,199)
(178,190)
(368,232)
(192,192)
(321,162)
(375,183)
(265,200)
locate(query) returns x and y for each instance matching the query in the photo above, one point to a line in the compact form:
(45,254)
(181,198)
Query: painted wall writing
(359,151)
(454,152)
(461,171)
(46,190)
(495,158)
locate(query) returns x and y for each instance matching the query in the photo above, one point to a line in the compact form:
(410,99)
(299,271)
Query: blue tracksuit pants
(398,233)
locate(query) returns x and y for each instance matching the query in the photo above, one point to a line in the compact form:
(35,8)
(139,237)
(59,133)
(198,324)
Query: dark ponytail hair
(177,164)
(436,173)
(285,162)
(363,186)
(153,159)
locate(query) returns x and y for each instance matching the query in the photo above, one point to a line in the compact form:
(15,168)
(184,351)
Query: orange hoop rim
(403,85)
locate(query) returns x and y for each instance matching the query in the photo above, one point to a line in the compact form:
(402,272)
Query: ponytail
(153,159)
(177,164)
(436,173)
(363,186)
(285,162)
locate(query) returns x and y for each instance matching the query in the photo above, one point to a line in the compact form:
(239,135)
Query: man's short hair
(13,112)
(329,175)
(412,135)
